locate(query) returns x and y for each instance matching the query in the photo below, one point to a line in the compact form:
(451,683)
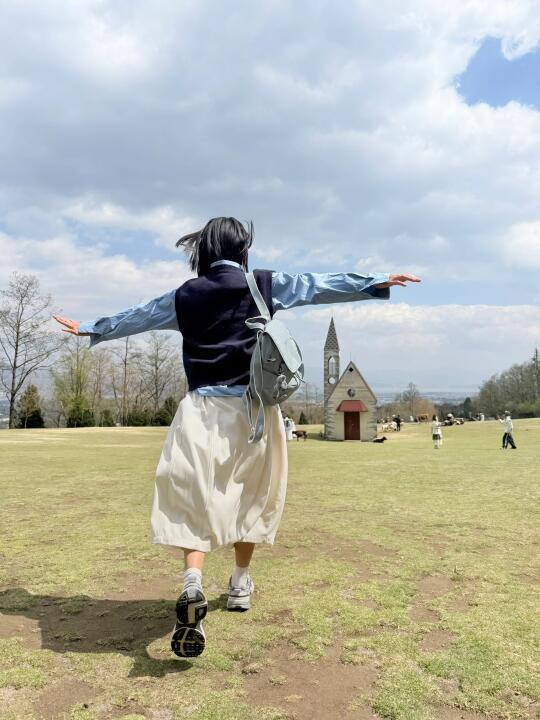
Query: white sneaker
(239,598)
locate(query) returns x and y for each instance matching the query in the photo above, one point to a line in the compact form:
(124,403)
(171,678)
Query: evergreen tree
(28,411)
(138,418)
(71,376)
(107,419)
(302,420)
(467,407)
(79,413)
(161,417)
(169,409)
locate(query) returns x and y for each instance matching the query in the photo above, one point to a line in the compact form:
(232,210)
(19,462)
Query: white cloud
(268,254)
(521,246)
(435,346)
(337,128)
(85,281)
(163,221)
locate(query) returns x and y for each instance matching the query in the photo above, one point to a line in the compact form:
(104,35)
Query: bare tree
(100,371)
(411,397)
(26,343)
(178,382)
(123,378)
(536,372)
(157,366)
(308,402)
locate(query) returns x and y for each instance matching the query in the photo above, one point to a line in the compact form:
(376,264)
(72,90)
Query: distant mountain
(437,397)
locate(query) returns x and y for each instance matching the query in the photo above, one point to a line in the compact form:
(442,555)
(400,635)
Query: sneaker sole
(187,642)
(188,639)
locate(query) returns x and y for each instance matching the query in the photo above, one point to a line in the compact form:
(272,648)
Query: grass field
(404,584)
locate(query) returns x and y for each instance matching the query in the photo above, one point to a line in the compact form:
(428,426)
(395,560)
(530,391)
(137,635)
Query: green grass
(417,566)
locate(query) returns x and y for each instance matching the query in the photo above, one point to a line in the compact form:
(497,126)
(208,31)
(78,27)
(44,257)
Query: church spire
(331,338)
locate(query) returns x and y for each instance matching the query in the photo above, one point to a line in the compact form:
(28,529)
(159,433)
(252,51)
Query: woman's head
(222,238)
(435,417)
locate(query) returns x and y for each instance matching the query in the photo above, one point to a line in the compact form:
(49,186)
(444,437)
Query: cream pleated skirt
(212,487)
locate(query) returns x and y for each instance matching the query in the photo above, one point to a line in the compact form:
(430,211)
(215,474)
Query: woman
(289,428)
(436,432)
(213,488)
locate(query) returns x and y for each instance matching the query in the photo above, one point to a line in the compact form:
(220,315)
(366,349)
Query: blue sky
(356,136)
(494,79)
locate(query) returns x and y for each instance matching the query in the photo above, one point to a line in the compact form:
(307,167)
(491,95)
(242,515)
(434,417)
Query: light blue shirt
(288,291)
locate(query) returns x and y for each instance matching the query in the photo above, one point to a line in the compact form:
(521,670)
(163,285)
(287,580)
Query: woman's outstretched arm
(290,291)
(158,314)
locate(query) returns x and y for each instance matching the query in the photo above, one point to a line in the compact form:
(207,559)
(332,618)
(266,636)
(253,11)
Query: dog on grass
(381,439)
(300,434)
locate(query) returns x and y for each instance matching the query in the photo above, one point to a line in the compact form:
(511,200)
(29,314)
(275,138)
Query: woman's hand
(401,280)
(70,326)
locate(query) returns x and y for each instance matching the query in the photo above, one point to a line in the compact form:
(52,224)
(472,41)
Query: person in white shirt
(507,438)
(436,432)
(288,428)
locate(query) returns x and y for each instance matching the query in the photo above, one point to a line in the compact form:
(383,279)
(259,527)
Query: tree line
(141,382)
(516,389)
(125,383)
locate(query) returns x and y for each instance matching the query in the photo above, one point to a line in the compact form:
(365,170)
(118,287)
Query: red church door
(352,425)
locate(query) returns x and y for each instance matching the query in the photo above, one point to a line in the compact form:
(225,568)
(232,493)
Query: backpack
(276,369)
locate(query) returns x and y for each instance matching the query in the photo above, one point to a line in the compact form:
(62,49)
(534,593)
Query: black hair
(434,417)
(222,238)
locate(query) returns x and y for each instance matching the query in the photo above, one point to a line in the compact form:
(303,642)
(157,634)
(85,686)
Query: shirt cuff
(376,292)
(87,328)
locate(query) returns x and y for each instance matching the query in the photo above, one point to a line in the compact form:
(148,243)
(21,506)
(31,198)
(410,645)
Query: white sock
(240,576)
(192,576)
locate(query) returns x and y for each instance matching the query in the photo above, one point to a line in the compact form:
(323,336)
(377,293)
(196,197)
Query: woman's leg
(188,638)
(243,553)
(193,559)
(241,586)
(193,565)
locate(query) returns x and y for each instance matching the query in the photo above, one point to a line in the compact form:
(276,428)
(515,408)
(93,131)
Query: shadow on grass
(92,625)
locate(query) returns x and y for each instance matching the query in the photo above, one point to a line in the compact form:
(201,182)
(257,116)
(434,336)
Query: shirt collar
(225,262)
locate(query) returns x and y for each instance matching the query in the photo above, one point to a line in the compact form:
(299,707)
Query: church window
(332,366)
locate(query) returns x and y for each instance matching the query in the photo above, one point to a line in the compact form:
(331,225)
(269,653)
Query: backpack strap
(257,296)
(256,425)
(252,398)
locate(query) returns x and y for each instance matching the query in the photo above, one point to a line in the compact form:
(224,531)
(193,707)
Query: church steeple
(331,338)
(331,373)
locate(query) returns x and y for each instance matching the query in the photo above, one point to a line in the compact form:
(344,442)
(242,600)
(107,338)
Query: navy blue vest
(211,312)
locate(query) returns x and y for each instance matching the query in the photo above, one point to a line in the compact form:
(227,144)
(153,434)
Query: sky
(357,137)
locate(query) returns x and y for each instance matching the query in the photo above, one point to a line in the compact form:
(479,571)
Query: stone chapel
(349,403)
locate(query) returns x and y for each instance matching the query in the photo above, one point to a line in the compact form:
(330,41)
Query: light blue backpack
(277,369)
